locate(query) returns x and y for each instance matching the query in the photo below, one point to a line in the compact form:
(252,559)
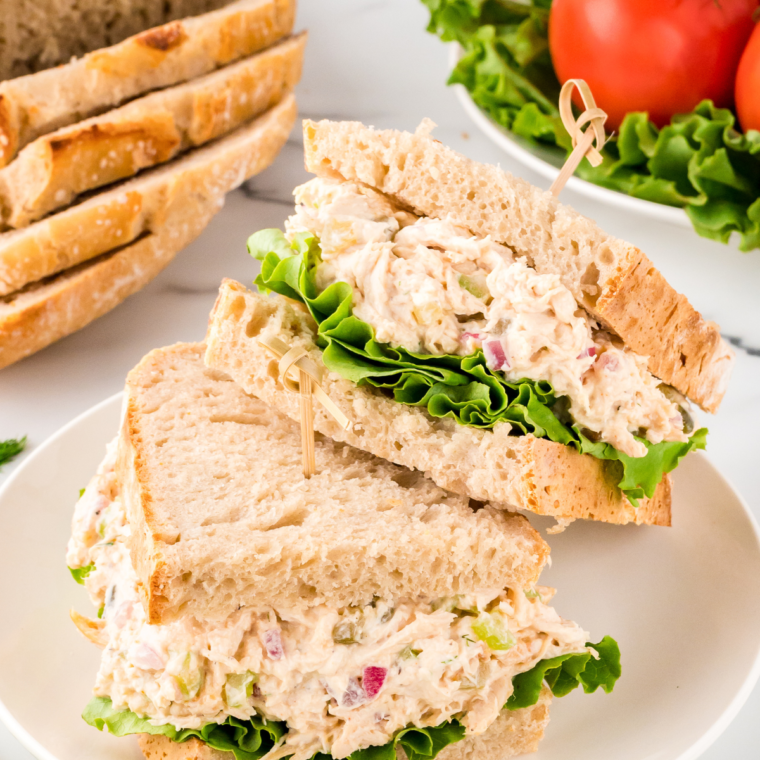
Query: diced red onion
(587,352)
(496,357)
(474,336)
(353,695)
(677,420)
(273,643)
(122,614)
(146,657)
(373,679)
(608,361)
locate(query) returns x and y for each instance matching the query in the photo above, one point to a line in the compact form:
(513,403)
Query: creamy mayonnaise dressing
(342,679)
(430,286)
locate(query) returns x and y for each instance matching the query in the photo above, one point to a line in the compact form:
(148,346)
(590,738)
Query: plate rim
(502,138)
(24,737)
(719,725)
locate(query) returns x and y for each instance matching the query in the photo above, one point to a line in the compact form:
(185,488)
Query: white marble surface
(372,60)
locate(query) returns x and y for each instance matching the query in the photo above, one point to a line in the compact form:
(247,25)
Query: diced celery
(189,676)
(475,284)
(409,654)
(238,688)
(492,629)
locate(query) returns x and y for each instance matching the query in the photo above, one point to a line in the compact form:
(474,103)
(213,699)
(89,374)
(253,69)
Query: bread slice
(51,171)
(109,219)
(513,733)
(38,34)
(34,105)
(221,515)
(522,471)
(610,278)
(160,221)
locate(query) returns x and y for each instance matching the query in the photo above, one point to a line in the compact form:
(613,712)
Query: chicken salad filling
(430,286)
(340,679)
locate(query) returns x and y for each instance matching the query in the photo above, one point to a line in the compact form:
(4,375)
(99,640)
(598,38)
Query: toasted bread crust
(520,471)
(51,171)
(513,733)
(613,280)
(37,104)
(41,314)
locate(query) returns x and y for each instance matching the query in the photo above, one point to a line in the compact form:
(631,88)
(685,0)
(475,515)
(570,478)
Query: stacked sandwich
(476,329)
(491,350)
(246,610)
(193,108)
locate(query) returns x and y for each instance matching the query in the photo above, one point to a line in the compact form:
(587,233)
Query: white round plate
(547,163)
(684,604)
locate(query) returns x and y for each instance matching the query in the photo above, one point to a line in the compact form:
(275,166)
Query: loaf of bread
(34,105)
(613,280)
(137,231)
(487,465)
(221,515)
(52,170)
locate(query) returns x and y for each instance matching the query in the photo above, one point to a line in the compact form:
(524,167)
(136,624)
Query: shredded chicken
(430,286)
(341,679)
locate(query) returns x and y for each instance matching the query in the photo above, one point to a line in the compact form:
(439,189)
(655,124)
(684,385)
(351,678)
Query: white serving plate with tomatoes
(547,163)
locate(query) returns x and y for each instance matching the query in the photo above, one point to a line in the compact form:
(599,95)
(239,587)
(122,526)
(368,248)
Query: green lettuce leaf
(80,573)
(246,739)
(457,387)
(700,162)
(253,738)
(567,672)
(11,448)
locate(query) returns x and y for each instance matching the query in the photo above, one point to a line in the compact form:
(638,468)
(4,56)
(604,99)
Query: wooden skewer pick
(583,140)
(309,385)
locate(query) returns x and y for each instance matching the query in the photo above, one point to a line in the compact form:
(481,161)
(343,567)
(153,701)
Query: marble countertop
(371,60)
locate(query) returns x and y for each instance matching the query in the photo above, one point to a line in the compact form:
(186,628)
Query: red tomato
(659,56)
(748,84)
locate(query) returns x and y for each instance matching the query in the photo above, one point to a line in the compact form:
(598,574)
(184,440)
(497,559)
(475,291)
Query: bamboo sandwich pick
(301,375)
(583,140)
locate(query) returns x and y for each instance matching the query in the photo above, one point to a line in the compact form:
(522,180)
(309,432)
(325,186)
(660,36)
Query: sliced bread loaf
(153,220)
(51,171)
(119,215)
(610,278)
(34,105)
(513,733)
(222,516)
(488,465)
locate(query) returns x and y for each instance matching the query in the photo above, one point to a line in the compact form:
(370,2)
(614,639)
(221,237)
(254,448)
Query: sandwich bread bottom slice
(487,465)
(159,215)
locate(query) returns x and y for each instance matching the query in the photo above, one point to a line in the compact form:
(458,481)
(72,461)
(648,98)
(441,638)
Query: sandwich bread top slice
(221,515)
(613,280)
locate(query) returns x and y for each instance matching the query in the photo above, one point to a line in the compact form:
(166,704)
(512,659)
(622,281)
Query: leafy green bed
(463,388)
(699,161)
(252,739)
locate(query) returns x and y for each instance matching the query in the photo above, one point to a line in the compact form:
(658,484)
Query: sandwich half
(469,299)
(245,610)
